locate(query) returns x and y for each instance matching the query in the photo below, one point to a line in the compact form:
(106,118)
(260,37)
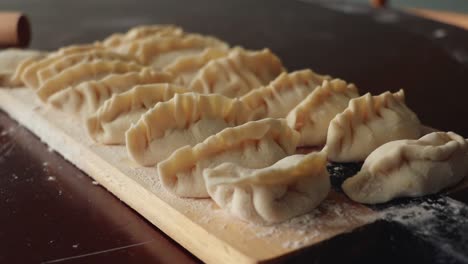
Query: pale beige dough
(369,122)
(109,124)
(256,144)
(279,97)
(187,119)
(312,116)
(290,187)
(410,168)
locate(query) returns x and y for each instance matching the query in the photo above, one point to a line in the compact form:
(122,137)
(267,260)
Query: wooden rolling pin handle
(15,30)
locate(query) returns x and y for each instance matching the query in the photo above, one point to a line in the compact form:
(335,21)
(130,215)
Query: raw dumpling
(82,72)
(186,67)
(141,32)
(63,62)
(369,122)
(312,116)
(160,51)
(28,74)
(187,119)
(15,79)
(85,98)
(282,94)
(256,144)
(11,60)
(114,117)
(79,48)
(410,168)
(238,73)
(292,186)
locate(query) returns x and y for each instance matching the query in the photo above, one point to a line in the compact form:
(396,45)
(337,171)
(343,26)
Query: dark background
(378,50)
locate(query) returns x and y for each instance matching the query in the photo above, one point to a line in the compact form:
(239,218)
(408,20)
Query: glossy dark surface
(49,210)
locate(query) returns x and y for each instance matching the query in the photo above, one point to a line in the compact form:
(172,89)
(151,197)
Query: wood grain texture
(197,224)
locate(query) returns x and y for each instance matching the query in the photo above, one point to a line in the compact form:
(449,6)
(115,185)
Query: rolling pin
(15,30)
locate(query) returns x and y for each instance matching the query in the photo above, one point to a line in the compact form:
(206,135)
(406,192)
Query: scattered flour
(205,219)
(297,243)
(268,232)
(51,178)
(439,33)
(440,221)
(335,215)
(330,218)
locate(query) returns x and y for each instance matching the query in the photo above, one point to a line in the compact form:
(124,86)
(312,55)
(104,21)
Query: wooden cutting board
(197,224)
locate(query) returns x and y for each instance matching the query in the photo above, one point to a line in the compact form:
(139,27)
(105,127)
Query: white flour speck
(95,183)
(266,233)
(205,219)
(287,244)
(301,232)
(460,55)
(439,33)
(51,178)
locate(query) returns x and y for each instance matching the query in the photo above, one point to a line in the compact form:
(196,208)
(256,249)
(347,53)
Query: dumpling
(292,186)
(15,79)
(114,117)
(11,60)
(141,32)
(312,116)
(82,72)
(29,76)
(29,73)
(410,168)
(79,48)
(160,51)
(187,119)
(283,94)
(47,72)
(185,68)
(256,144)
(85,98)
(238,73)
(369,122)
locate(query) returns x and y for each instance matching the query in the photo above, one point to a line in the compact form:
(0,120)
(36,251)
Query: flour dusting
(441,221)
(51,178)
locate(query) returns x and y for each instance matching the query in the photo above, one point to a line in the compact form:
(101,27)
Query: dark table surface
(50,212)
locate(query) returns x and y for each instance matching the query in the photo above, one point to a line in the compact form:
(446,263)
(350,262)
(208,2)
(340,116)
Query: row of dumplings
(225,122)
